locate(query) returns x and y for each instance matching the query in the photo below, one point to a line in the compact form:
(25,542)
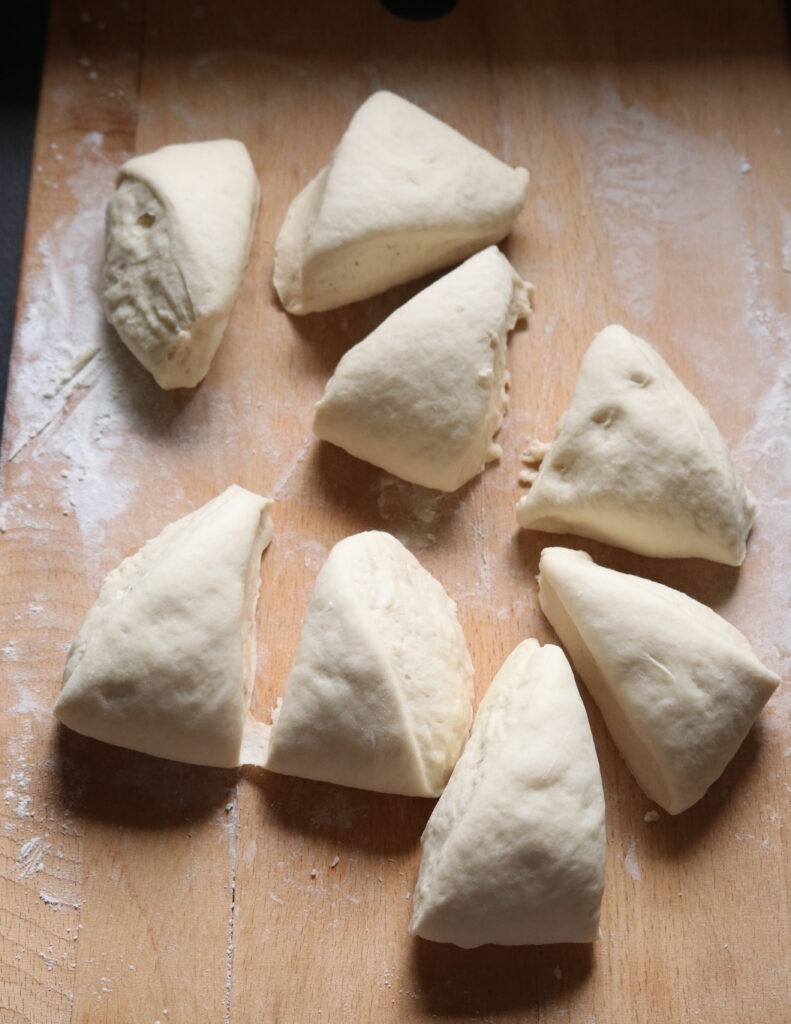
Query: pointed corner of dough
(178,233)
(164,661)
(639,463)
(404,194)
(514,852)
(380,691)
(425,393)
(677,685)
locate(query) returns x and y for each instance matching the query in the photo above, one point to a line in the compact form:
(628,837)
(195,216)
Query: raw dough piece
(403,194)
(380,692)
(165,659)
(638,462)
(677,685)
(423,395)
(514,851)
(177,237)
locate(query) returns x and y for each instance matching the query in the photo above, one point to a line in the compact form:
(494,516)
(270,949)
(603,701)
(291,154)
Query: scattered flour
(631,863)
(56,903)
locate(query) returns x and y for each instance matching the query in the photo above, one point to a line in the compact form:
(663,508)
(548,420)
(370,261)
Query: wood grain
(136,890)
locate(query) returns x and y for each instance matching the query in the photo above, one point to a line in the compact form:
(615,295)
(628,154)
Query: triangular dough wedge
(639,463)
(403,194)
(678,686)
(380,692)
(424,394)
(165,660)
(178,234)
(514,851)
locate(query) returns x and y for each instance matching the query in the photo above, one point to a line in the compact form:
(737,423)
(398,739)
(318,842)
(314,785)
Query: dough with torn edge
(639,463)
(678,686)
(164,662)
(514,851)
(177,237)
(380,692)
(424,394)
(403,194)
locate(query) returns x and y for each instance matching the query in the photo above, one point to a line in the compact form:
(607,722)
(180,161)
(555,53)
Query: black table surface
(25,33)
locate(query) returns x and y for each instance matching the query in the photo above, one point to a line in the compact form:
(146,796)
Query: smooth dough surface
(164,661)
(638,462)
(380,692)
(403,194)
(514,852)
(424,394)
(678,686)
(177,238)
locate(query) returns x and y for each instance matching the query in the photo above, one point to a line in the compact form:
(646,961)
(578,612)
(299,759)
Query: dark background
(20,74)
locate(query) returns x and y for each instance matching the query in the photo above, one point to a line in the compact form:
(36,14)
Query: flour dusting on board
(415,515)
(660,189)
(652,181)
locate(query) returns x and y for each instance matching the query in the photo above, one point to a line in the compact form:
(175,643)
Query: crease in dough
(164,661)
(404,194)
(424,394)
(514,852)
(678,686)
(380,691)
(638,462)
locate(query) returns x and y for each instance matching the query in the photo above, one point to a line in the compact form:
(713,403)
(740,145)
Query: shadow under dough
(100,782)
(372,823)
(711,583)
(478,983)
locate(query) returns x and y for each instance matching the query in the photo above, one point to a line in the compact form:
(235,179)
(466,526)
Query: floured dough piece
(165,659)
(177,237)
(380,692)
(403,194)
(423,395)
(677,685)
(514,851)
(639,463)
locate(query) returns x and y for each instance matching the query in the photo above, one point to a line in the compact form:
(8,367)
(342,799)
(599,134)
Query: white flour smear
(656,187)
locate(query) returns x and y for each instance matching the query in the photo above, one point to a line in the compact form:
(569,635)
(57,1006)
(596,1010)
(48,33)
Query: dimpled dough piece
(403,194)
(638,462)
(423,395)
(380,692)
(677,685)
(164,662)
(177,237)
(514,851)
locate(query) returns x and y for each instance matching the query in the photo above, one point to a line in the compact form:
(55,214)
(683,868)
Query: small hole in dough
(640,379)
(562,466)
(605,416)
(145,220)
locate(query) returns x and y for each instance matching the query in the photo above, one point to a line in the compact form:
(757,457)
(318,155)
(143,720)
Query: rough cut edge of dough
(482,449)
(208,327)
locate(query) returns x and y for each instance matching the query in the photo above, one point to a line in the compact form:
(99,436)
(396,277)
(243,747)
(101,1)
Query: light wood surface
(137,890)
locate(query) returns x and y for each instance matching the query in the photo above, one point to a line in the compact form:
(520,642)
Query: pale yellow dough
(678,686)
(403,194)
(425,393)
(380,691)
(638,462)
(514,851)
(164,662)
(177,238)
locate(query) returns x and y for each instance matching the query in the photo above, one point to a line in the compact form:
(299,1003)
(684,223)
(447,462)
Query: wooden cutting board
(137,890)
